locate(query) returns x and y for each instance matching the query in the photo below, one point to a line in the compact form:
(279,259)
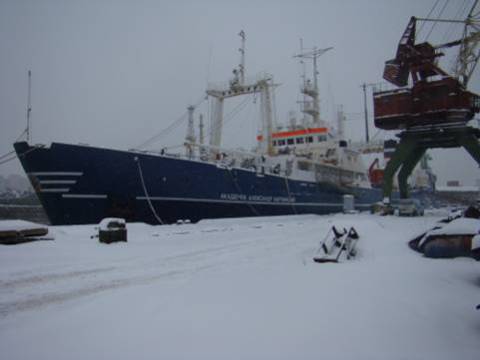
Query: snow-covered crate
(112,230)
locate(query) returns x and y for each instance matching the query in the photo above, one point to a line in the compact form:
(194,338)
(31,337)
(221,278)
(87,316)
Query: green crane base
(413,145)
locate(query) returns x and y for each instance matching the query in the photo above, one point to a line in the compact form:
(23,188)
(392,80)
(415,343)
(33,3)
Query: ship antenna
(242,58)
(312,107)
(29,104)
(303,76)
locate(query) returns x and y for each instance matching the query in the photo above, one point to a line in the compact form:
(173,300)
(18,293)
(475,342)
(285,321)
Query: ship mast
(190,138)
(242,58)
(239,86)
(201,136)
(29,104)
(312,107)
(340,123)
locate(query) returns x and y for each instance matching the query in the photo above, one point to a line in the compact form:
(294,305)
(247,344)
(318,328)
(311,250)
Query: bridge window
(322,138)
(309,139)
(300,140)
(290,141)
(281,142)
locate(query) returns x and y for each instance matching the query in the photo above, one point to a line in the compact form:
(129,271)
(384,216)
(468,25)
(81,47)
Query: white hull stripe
(84,196)
(56,190)
(56,173)
(65,182)
(158,198)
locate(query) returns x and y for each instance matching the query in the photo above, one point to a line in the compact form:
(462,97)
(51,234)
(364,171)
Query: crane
(435,110)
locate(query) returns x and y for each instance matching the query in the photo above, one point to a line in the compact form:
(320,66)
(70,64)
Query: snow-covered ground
(237,289)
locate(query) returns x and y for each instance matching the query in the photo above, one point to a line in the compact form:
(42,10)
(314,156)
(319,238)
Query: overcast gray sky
(113,73)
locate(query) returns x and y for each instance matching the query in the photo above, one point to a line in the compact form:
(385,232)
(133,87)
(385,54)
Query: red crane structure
(434,111)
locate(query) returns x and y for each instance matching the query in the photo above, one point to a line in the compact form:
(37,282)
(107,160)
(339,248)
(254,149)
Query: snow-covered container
(112,230)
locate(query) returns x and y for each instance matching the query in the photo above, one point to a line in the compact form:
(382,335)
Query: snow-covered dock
(238,289)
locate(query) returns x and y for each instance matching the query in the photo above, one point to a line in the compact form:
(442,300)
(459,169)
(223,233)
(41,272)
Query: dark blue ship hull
(79,184)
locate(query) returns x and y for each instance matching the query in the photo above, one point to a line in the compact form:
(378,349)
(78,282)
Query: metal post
(364,86)
(316,102)
(190,138)
(201,134)
(29,105)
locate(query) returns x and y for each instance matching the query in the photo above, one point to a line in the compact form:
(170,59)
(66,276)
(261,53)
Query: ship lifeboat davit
(426,103)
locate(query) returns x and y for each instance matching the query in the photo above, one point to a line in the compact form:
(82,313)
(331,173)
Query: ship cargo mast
(239,86)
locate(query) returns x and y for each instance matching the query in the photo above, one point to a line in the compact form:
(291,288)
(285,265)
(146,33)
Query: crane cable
(428,16)
(438,17)
(458,16)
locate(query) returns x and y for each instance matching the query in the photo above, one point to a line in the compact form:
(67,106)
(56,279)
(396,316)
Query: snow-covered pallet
(337,246)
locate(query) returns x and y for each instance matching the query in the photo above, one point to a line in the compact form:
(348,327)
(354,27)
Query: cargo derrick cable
(178,122)
(163,132)
(170,128)
(231,115)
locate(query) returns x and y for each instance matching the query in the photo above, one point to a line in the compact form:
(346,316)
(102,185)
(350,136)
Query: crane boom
(469,53)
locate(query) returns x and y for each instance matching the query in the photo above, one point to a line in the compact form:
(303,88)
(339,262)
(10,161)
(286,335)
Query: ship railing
(240,158)
(227,158)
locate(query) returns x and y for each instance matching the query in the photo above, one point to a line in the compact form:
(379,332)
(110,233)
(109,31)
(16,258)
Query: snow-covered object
(476,242)
(18,225)
(454,214)
(451,240)
(460,226)
(237,289)
(111,224)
